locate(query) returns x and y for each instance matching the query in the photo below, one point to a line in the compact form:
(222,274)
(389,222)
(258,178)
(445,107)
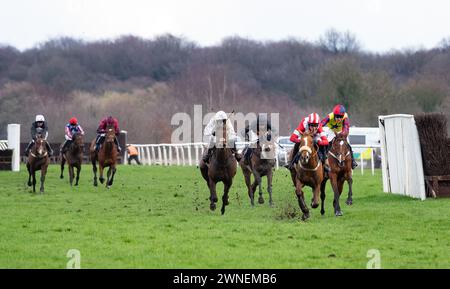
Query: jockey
(312,125)
(339,123)
(39,125)
(101,132)
(71,128)
(210,130)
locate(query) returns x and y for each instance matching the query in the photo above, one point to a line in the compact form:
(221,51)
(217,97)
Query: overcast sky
(380,25)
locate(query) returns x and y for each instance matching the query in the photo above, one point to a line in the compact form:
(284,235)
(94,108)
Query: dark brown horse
(340,171)
(307,172)
(106,157)
(261,164)
(221,168)
(38,159)
(74,157)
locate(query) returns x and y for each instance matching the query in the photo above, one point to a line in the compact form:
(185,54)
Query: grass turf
(159,217)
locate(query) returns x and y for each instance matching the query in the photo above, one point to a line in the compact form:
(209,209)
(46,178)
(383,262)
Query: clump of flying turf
(434,143)
(287,212)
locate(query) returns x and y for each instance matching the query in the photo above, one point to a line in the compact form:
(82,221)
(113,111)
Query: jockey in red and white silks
(311,124)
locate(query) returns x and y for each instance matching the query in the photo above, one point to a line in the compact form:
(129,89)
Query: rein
(38,157)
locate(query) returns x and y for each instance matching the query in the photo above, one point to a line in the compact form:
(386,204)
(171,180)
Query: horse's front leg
(334,185)
(29,175)
(94,169)
(71,174)
(226,189)
(63,161)
(43,173)
(113,172)
(350,191)
(78,174)
(301,199)
(258,180)
(213,195)
(34,180)
(247,178)
(269,186)
(322,196)
(101,178)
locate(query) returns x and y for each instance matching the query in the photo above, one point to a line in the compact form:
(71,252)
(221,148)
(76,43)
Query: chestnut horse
(221,168)
(340,171)
(307,172)
(38,159)
(261,164)
(106,157)
(74,158)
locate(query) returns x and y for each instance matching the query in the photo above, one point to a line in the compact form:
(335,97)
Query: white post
(182,155)
(14,144)
(165,155)
(372,162)
(189,155)
(148,160)
(153,155)
(160,156)
(197,161)
(178,155)
(170,155)
(362,163)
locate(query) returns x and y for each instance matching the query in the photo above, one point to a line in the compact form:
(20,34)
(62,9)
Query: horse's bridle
(340,159)
(312,154)
(38,156)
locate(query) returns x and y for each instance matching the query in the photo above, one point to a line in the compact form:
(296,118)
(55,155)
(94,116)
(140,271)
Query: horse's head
(40,149)
(307,148)
(78,140)
(110,135)
(339,149)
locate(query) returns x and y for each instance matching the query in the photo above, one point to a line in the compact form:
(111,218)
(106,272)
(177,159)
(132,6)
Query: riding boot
(98,142)
(28,148)
(64,146)
(49,148)
(323,158)
(119,149)
(294,157)
(237,155)
(248,155)
(207,156)
(354,163)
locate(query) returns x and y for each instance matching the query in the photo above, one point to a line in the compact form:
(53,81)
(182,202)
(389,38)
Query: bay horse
(38,159)
(74,157)
(261,164)
(106,157)
(221,168)
(308,171)
(340,171)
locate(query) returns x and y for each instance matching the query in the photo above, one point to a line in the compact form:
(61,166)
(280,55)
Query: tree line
(143,82)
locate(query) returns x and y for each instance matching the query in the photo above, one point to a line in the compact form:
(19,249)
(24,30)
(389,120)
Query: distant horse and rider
(72,150)
(105,149)
(219,161)
(38,159)
(259,161)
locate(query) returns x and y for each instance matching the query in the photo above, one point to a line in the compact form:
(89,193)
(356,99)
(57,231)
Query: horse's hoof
(314,206)
(61,177)
(108,187)
(322,212)
(338,213)
(29,184)
(95,184)
(222,210)
(305,217)
(271,204)
(76,185)
(101,180)
(212,207)
(349,202)
(261,200)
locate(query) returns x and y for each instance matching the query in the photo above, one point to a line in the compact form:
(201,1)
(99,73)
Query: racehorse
(106,157)
(38,159)
(261,164)
(340,171)
(308,171)
(74,157)
(221,168)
